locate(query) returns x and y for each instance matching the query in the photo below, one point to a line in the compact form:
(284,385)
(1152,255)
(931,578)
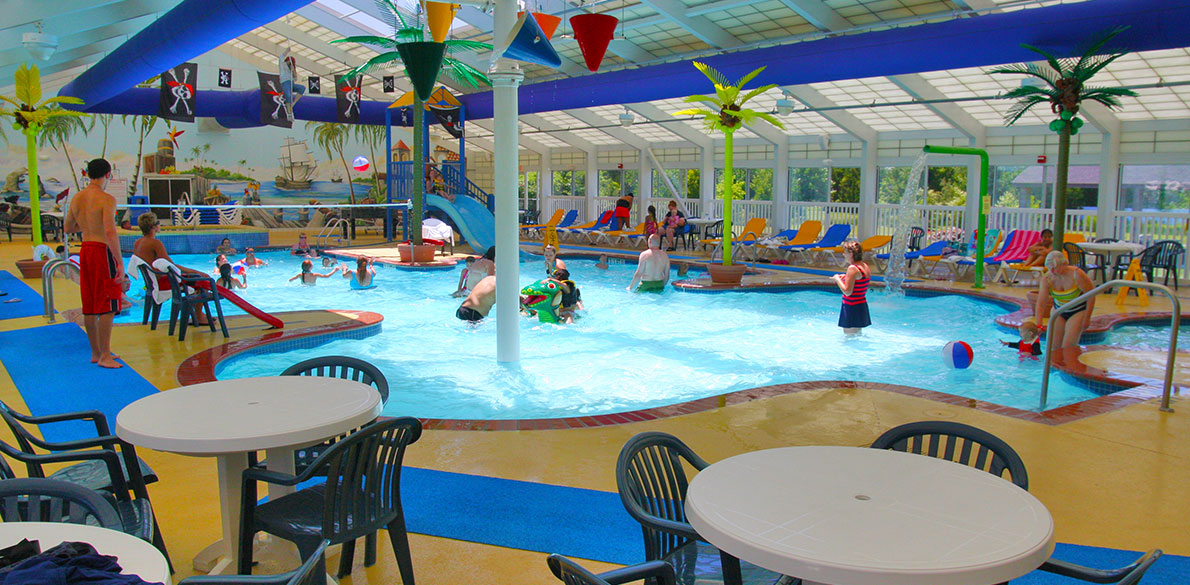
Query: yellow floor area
(1118,479)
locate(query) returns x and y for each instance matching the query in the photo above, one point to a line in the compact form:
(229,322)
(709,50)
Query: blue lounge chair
(566,221)
(786,235)
(578,232)
(834,236)
(934,249)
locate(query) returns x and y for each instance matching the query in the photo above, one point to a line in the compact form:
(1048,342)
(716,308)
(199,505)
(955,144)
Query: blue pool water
(634,351)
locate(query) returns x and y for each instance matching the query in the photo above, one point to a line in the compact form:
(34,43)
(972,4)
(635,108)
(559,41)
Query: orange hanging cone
(548,22)
(439,15)
(593,33)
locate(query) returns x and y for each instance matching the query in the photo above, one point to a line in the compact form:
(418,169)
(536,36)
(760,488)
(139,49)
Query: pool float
(543,297)
(355,285)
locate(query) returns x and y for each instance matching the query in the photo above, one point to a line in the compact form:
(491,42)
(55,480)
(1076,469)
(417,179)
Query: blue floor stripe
(51,368)
(21,300)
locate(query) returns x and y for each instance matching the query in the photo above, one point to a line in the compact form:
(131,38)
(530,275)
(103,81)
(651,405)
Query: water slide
(471,217)
(246,306)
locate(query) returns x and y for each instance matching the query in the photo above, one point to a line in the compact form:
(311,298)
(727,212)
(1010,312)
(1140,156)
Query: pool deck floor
(1116,479)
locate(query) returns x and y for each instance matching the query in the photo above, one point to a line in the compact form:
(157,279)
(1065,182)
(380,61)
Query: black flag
(272,101)
(225,78)
(449,118)
(177,93)
(390,84)
(314,85)
(347,99)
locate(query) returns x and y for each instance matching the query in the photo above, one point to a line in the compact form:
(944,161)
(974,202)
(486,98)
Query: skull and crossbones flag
(390,83)
(347,99)
(177,93)
(314,85)
(449,118)
(272,101)
(225,78)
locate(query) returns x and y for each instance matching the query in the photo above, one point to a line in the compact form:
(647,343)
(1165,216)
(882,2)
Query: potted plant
(31,114)
(416,253)
(728,114)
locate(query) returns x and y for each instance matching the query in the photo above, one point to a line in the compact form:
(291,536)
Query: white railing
(742,211)
(1149,227)
(1005,219)
(930,217)
(827,213)
(553,204)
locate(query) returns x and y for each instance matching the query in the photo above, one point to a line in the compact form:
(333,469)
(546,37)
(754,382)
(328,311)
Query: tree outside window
(809,184)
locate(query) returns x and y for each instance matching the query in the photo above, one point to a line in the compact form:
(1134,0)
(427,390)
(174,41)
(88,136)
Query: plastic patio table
(135,556)
(859,516)
(228,419)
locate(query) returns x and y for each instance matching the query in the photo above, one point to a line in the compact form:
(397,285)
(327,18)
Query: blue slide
(471,217)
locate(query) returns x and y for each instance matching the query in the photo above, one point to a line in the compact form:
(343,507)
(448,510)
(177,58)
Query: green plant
(143,125)
(57,130)
(1065,88)
(30,115)
(332,138)
(105,120)
(373,138)
(728,114)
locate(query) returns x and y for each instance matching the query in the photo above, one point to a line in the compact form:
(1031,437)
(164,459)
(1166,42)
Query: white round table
(1111,250)
(228,419)
(136,557)
(857,516)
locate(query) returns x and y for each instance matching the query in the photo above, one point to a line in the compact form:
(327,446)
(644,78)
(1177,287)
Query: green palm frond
(1108,96)
(1028,90)
(1096,44)
(767,117)
(727,94)
(696,112)
(464,73)
(745,79)
(713,74)
(1018,109)
(370,40)
(701,98)
(375,63)
(390,15)
(1049,57)
(453,45)
(756,92)
(1029,69)
(1097,65)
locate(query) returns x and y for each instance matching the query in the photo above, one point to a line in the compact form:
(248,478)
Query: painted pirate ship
(297,166)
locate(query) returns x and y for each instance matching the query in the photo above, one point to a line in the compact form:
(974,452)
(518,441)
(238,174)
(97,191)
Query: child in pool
(602,265)
(572,298)
(227,281)
(327,262)
(250,258)
(225,247)
(1029,346)
(361,277)
(308,275)
(464,284)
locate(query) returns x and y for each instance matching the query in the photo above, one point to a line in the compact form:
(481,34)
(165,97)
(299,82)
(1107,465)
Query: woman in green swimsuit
(1062,284)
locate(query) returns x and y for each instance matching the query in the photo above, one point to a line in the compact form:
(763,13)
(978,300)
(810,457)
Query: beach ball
(359,163)
(239,268)
(957,354)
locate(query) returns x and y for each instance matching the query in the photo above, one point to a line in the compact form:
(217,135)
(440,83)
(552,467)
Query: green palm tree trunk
(1060,185)
(34,192)
(728,195)
(419,170)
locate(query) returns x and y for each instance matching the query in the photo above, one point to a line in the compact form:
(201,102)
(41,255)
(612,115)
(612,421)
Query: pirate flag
(225,78)
(449,118)
(347,99)
(272,101)
(177,93)
(390,83)
(314,85)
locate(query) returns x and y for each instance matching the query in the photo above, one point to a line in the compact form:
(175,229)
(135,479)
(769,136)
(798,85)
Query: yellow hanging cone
(439,15)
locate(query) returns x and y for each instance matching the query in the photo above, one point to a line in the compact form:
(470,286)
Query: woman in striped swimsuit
(1062,284)
(854,284)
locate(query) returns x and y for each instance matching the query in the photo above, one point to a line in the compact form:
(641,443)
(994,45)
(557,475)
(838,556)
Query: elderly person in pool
(652,269)
(1062,284)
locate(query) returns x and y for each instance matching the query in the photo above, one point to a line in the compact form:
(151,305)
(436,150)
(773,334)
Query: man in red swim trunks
(101,281)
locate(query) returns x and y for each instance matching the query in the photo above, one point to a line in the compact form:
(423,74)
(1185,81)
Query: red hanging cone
(593,33)
(548,23)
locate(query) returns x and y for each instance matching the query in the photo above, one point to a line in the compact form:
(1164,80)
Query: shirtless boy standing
(101,282)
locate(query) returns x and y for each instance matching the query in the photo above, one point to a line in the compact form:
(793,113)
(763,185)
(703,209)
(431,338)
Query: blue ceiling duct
(235,109)
(991,39)
(185,32)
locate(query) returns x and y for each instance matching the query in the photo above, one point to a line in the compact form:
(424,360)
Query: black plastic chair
(191,291)
(1086,261)
(50,500)
(652,481)
(152,312)
(361,495)
(1162,255)
(303,575)
(915,236)
(571,573)
(978,448)
(712,231)
(347,368)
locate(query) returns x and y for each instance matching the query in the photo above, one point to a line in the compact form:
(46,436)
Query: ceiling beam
(1102,118)
(20,14)
(919,88)
(564,135)
(619,133)
(522,141)
(652,112)
(974,4)
(841,118)
(817,13)
(69,59)
(699,26)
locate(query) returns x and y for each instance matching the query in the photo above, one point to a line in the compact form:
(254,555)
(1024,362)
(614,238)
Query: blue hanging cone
(529,43)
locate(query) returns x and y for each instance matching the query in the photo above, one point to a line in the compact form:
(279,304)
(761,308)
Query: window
(845,185)
(617,182)
(570,183)
(686,181)
(808,184)
(1154,188)
(1033,186)
(756,184)
(947,185)
(529,191)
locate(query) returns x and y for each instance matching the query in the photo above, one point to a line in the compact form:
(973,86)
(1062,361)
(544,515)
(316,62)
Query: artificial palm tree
(727,116)
(58,130)
(31,115)
(1065,89)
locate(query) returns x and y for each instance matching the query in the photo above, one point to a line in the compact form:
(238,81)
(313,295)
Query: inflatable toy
(360,163)
(239,268)
(543,297)
(958,355)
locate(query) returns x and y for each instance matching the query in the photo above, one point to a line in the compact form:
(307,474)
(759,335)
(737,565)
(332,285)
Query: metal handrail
(1174,322)
(328,229)
(47,284)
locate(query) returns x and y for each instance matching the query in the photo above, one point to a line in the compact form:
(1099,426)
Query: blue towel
(29,304)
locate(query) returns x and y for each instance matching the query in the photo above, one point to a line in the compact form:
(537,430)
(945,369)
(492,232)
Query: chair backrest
(571,573)
(604,218)
(363,478)
(1075,255)
(959,443)
(714,230)
(835,235)
(1018,248)
(652,483)
(1073,238)
(807,233)
(991,242)
(753,229)
(568,219)
(556,217)
(341,366)
(1163,254)
(915,236)
(874,243)
(34,499)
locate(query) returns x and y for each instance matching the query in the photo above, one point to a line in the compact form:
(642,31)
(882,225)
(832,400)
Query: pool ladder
(328,230)
(1174,321)
(47,284)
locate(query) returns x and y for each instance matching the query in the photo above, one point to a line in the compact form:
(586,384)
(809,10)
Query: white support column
(867,190)
(644,176)
(971,214)
(781,187)
(592,186)
(707,181)
(506,78)
(1109,186)
(545,186)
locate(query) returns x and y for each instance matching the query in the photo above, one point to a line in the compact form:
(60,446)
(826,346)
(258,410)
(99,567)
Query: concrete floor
(1118,479)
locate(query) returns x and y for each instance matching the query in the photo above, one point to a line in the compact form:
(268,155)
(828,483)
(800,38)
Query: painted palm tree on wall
(332,138)
(728,114)
(57,131)
(1064,87)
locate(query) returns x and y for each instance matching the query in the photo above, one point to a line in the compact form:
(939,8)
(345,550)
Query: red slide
(245,305)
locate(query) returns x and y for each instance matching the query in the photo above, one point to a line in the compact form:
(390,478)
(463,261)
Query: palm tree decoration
(143,125)
(1065,89)
(31,114)
(332,137)
(105,120)
(373,137)
(727,116)
(57,131)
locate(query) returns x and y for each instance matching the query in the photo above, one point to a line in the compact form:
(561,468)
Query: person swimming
(1029,346)
(227,281)
(250,258)
(308,276)
(465,280)
(362,276)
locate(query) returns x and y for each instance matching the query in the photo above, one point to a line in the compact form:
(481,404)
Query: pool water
(632,351)
(1147,335)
